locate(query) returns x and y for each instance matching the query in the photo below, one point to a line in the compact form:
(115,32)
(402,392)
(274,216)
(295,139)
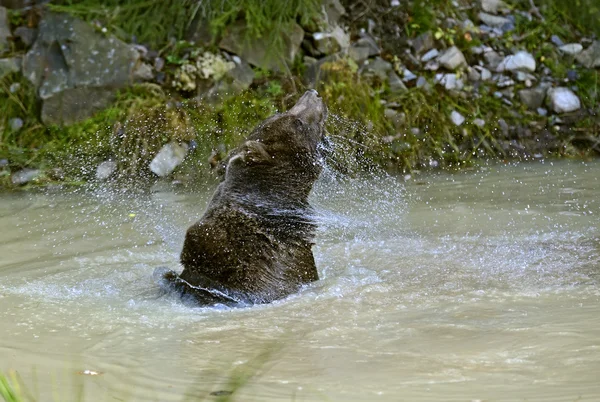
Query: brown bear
(253,243)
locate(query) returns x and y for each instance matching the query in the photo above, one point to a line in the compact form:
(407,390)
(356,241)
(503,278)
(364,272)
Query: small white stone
(430,55)
(479,122)
(571,48)
(457,118)
(105,170)
(168,158)
(519,61)
(563,100)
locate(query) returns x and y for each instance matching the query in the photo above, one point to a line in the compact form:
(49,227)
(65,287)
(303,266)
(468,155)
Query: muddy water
(482,285)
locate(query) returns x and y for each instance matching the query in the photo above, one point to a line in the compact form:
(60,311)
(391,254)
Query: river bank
(141,90)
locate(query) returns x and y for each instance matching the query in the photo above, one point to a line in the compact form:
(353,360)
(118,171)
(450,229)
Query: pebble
(452,59)
(457,118)
(521,60)
(25,176)
(430,55)
(493,21)
(168,158)
(571,48)
(479,122)
(15,124)
(563,100)
(106,169)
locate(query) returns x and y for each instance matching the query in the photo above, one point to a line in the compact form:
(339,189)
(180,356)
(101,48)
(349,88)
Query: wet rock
(452,59)
(168,158)
(423,43)
(533,98)
(260,52)
(521,60)
(430,55)
(25,176)
(493,21)
(75,104)
(26,34)
(457,118)
(491,6)
(11,65)
(106,169)
(70,55)
(15,124)
(590,57)
(562,100)
(4,30)
(571,48)
(143,72)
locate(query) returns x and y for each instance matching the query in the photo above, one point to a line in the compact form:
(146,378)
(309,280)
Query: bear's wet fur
(254,242)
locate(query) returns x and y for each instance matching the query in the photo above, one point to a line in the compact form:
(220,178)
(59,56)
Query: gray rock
(25,176)
(143,72)
(533,98)
(503,81)
(479,122)
(486,74)
(333,41)
(493,59)
(423,83)
(457,118)
(358,53)
(260,52)
(432,65)
(397,87)
(452,59)
(75,104)
(571,48)
(562,100)
(168,158)
(378,67)
(26,34)
(449,81)
(106,169)
(15,124)
(334,11)
(11,65)
(556,40)
(542,112)
(235,81)
(493,21)
(491,6)
(521,60)
(423,43)
(473,74)
(4,30)
(368,42)
(590,57)
(408,75)
(430,55)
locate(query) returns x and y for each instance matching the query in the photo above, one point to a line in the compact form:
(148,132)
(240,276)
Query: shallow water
(480,285)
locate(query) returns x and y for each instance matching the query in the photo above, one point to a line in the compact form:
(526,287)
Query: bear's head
(283,155)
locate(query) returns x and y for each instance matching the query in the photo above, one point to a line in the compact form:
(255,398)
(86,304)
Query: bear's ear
(254,152)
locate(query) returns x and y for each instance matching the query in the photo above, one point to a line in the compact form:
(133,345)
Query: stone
(479,122)
(491,6)
(521,60)
(334,10)
(75,104)
(533,98)
(493,21)
(556,40)
(25,176)
(378,67)
(449,81)
(452,59)
(368,42)
(260,52)
(168,158)
(106,169)
(26,34)
(331,42)
(358,53)
(397,87)
(143,72)
(15,124)
(486,74)
(571,48)
(423,83)
(4,30)
(493,59)
(423,43)
(473,74)
(457,118)
(235,81)
(503,81)
(562,100)
(10,65)
(430,55)
(590,57)
(408,75)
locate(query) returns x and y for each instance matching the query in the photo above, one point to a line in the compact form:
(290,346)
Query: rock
(25,176)
(503,81)
(473,74)
(368,42)
(423,43)
(493,21)
(235,81)
(542,112)
(331,42)
(27,35)
(533,98)
(378,67)
(75,104)
(168,158)
(69,55)
(430,55)
(491,6)
(521,60)
(449,81)
(571,48)
(11,65)
(159,63)
(4,30)
(15,124)
(397,87)
(260,52)
(479,123)
(358,53)
(106,169)
(556,40)
(432,65)
(143,72)
(562,100)
(486,74)
(493,59)
(590,57)
(457,118)
(334,10)
(422,83)
(452,59)
(408,75)
(398,119)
